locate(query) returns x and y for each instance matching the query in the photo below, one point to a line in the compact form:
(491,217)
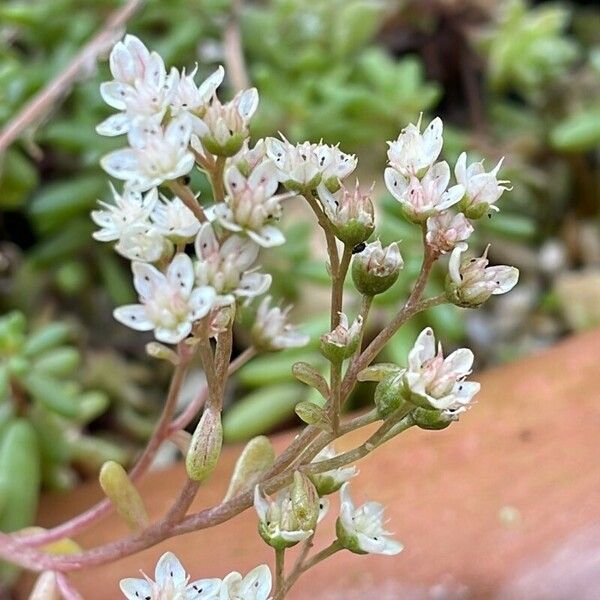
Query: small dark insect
(359,248)
(186,180)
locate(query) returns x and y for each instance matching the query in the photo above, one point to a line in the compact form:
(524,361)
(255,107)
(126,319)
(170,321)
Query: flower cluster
(171,582)
(171,124)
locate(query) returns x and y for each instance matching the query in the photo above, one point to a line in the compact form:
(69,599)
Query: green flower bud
(205,447)
(342,342)
(376,269)
(305,502)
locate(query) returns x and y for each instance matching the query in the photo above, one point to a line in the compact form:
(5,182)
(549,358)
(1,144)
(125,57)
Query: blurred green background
(513,78)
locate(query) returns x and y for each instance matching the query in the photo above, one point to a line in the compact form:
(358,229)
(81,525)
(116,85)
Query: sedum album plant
(196,261)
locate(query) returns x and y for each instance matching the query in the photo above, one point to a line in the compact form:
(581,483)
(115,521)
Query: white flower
(331,481)
(169,303)
(192,99)
(171,583)
(413,151)
(335,165)
(446,230)
(156,155)
(226,267)
(251,206)
(271,330)
(472,282)
(278,524)
(142,242)
(224,127)
(351,213)
(376,269)
(482,189)
(423,198)
(247,159)
(298,165)
(130,208)
(341,342)
(141,89)
(173,219)
(361,530)
(433,381)
(256,585)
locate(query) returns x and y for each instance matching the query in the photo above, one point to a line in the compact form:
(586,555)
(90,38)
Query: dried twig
(46,100)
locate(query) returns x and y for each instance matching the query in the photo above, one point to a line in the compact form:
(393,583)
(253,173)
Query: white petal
(459,363)
(114,94)
(258,583)
(139,53)
(169,568)
(121,63)
(173,336)
(451,197)
(178,132)
(460,169)
(426,341)
(396,183)
(455,262)
(155,73)
(207,88)
(135,589)
(265,175)
(229,582)
(248,103)
(134,316)
(206,242)
(201,301)
(146,279)
(234,181)
(505,278)
(267,237)
(122,164)
(253,284)
(433,140)
(180,273)
(276,150)
(114,125)
(261,504)
(243,251)
(203,589)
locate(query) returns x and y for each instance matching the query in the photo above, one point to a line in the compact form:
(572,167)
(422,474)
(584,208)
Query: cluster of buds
(172,582)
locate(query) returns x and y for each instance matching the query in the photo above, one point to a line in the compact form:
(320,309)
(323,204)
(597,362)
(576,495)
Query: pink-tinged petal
(267,237)
(242,251)
(146,278)
(114,94)
(396,183)
(234,181)
(206,242)
(248,103)
(135,589)
(458,364)
(168,569)
(504,277)
(180,273)
(439,176)
(114,125)
(134,316)
(202,299)
(266,175)
(122,164)
(203,589)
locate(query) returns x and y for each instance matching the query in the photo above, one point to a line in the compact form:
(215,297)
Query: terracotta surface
(504,504)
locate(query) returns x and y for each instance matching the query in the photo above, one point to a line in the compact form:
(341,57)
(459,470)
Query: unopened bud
(305,502)
(255,460)
(158,350)
(205,447)
(388,394)
(124,495)
(342,342)
(376,269)
(430,419)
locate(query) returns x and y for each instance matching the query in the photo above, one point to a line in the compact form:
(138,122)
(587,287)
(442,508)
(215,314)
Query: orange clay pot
(504,504)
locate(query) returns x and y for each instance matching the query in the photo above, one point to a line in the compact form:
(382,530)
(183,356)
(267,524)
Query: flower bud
(471,282)
(158,350)
(342,342)
(389,394)
(331,481)
(351,214)
(305,501)
(446,230)
(205,447)
(431,419)
(116,484)
(256,458)
(376,269)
